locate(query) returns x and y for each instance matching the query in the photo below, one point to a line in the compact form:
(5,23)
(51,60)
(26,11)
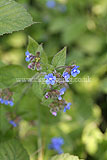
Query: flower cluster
(34,60)
(56,144)
(52,80)
(70,71)
(58,105)
(6,97)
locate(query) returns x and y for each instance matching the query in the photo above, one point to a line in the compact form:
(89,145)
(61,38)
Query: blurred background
(82,27)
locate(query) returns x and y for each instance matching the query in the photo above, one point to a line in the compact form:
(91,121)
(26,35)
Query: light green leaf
(32,45)
(39,87)
(43,56)
(13,17)
(66,156)
(60,58)
(13,150)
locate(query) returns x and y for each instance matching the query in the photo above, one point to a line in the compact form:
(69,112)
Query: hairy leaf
(60,58)
(13,150)
(34,47)
(13,17)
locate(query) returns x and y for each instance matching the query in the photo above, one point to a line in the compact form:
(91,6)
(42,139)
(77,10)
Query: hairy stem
(60,67)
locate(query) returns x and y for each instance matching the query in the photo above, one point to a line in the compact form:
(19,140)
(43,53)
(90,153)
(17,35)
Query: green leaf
(13,150)
(4,124)
(32,45)
(43,56)
(13,17)
(60,58)
(66,156)
(9,75)
(39,87)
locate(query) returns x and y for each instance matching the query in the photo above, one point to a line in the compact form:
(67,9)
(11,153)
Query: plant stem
(40,157)
(60,67)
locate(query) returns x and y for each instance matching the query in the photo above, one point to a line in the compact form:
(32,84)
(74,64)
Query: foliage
(82,29)
(13,150)
(14,16)
(65,157)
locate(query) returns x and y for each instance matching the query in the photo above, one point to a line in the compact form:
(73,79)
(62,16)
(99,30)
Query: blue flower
(50,79)
(66,76)
(1,100)
(11,103)
(67,107)
(13,123)
(75,71)
(56,144)
(27,53)
(51,4)
(6,102)
(27,56)
(61,93)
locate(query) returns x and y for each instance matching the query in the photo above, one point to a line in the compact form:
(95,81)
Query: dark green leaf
(4,125)
(9,75)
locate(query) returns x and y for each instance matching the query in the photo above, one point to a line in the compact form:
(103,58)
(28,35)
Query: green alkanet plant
(56,75)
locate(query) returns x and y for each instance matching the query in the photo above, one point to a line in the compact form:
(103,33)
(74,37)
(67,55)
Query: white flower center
(74,70)
(50,78)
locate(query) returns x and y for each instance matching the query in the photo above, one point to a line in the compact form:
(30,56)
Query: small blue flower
(6,102)
(27,59)
(66,76)
(27,56)
(50,79)
(51,4)
(75,71)
(56,144)
(27,53)
(2,101)
(61,93)
(13,123)
(11,103)
(67,107)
